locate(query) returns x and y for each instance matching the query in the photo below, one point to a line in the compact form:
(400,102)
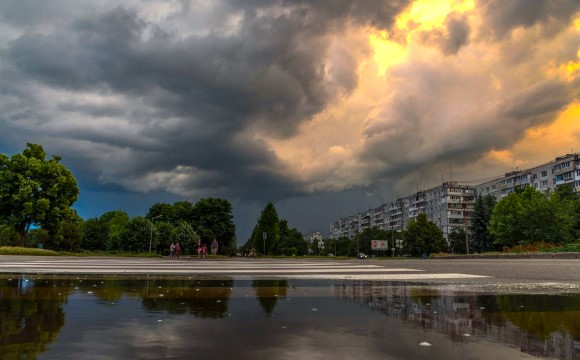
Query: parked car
(362,256)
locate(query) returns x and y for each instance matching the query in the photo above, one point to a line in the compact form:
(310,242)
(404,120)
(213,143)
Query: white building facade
(452,205)
(545,177)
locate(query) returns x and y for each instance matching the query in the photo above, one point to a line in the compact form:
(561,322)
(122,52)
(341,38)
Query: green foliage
(135,237)
(104,233)
(162,236)
(68,237)
(36,237)
(212,219)
(17,250)
(292,242)
(187,238)
(269,223)
(342,245)
(482,239)
(8,236)
(35,191)
(281,239)
(457,241)
(531,216)
(423,237)
(362,241)
(95,235)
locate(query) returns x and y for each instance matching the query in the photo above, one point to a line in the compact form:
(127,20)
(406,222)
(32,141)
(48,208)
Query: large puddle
(154,317)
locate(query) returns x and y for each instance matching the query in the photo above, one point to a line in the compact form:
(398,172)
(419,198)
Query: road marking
(331,270)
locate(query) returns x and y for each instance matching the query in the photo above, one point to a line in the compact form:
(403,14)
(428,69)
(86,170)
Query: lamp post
(151,233)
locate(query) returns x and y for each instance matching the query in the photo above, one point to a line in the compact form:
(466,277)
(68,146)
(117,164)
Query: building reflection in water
(35,310)
(540,325)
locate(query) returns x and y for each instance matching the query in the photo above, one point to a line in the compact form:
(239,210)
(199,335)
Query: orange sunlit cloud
(312,157)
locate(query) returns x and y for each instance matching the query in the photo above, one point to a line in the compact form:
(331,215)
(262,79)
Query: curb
(569,255)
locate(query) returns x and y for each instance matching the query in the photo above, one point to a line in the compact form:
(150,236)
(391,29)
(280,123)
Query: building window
(544,182)
(566,164)
(544,173)
(568,175)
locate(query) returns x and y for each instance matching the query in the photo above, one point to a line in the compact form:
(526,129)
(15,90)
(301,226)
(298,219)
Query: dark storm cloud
(267,73)
(458,36)
(503,16)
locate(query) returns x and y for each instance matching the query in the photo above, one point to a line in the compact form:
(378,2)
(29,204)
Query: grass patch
(16,250)
(574,247)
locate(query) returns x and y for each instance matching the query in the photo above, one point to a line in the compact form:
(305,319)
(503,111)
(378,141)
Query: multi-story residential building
(545,177)
(451,205)
(315,237)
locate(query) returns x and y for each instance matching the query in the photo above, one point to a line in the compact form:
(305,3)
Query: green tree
(187,238)
(95,235)
(162,236)
(69,235)
(268,223)
(212,219)
(35,191)
(8,236)
(362,240)
(135,237)
(457,241)
(342,246)
(531,216)
(292,242)
(423,237)
(482,240)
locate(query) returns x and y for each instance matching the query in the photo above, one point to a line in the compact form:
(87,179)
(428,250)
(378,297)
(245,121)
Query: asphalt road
(514,273)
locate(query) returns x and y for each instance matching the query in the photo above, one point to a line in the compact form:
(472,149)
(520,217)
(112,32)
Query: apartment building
(545,177)
(313,237)
(451,205)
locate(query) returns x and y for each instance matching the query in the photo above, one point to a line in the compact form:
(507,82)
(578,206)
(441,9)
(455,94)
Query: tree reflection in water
(32,316)
(268,292)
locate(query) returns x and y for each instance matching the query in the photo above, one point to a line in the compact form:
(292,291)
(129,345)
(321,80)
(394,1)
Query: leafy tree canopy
(531,216)
(423,237)
(35,191)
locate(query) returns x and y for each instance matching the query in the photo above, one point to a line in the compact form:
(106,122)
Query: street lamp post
(151,233)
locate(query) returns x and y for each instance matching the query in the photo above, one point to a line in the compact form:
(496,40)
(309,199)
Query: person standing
(177,249)
(214,247)
(171,250)
(198,248)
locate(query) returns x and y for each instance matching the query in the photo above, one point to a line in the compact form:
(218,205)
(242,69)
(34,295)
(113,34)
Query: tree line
(36,199)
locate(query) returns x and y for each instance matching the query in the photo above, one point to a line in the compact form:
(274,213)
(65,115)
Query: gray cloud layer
(168,96)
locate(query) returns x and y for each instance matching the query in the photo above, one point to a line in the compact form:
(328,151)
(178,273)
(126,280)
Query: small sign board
(379,245)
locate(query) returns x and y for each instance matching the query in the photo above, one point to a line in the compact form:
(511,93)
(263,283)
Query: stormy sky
(324,107)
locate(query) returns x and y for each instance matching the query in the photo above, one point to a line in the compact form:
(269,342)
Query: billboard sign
(379,245)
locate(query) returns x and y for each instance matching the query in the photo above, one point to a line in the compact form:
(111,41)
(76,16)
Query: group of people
(175,249)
